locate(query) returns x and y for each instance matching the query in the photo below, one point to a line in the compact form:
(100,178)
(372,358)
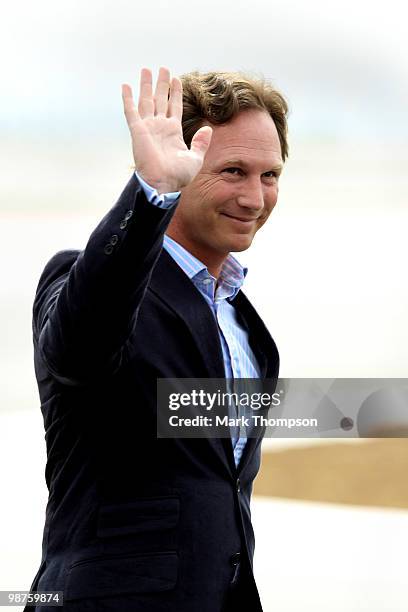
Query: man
(135,522)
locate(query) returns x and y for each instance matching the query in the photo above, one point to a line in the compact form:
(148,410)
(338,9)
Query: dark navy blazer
(135,523)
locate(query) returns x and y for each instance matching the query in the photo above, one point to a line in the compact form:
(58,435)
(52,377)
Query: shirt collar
(231,277)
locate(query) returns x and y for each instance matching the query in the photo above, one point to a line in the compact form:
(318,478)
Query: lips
(242,219)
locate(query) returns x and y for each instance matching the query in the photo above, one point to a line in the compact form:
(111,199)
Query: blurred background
(327,273)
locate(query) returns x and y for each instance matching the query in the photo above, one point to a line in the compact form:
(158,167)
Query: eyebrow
(240,162)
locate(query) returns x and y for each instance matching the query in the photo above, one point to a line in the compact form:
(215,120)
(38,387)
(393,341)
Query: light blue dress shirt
(239,359)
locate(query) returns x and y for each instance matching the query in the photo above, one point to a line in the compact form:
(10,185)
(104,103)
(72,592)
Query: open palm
(161,156)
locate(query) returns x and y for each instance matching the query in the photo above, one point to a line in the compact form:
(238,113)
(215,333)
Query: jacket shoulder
(59,263)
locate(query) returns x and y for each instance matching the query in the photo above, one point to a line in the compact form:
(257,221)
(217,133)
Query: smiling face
(234,193)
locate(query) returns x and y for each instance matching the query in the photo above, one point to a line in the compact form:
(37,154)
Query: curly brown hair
(216,97)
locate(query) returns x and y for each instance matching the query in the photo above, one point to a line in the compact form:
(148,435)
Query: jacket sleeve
(87,301)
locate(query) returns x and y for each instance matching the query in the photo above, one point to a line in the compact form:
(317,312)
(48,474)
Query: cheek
(225,197)
(270,203)
(273,193)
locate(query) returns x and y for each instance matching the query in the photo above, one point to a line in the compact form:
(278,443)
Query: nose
(252,197)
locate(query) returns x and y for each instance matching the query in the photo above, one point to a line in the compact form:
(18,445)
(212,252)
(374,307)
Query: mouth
(244,220)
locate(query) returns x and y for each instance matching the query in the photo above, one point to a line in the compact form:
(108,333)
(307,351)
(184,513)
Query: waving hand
(160,154)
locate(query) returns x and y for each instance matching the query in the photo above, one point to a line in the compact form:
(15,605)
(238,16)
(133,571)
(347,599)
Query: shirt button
(207,281)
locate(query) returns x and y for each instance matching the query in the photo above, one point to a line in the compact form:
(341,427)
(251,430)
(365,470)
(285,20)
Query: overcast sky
(342,64)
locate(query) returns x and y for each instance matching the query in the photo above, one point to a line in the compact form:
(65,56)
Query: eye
(271,174)
(233,171)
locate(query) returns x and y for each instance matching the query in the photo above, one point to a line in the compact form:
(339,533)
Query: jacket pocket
(121,575)
(141,516)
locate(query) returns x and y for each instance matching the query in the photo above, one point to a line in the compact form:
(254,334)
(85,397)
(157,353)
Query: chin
(240,244)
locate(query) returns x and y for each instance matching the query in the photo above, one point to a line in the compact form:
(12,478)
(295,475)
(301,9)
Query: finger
(129,108)
(146,103)
(201,141)
(161,95)
(175,105)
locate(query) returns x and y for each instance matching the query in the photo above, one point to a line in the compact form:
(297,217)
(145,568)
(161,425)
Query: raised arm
(87,302)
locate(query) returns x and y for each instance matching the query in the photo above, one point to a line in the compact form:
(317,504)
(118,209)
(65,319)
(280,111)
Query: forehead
(251,135)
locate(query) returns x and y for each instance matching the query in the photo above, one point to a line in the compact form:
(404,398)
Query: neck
(213,261)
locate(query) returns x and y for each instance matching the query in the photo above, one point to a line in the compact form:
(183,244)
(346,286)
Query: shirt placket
(238,432)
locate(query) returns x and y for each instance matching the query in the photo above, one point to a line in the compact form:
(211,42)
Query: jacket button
(238,485)
(108,249)
(123,224)
(235,559)
(128,215)
(114,239)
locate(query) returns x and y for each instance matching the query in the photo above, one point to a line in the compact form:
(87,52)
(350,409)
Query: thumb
(201,140)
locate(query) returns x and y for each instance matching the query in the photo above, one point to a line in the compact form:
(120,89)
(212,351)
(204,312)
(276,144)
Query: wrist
(160,186)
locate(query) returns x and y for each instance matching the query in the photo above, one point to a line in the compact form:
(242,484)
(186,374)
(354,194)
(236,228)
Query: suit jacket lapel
(260,339)
(173,286)
(267,355)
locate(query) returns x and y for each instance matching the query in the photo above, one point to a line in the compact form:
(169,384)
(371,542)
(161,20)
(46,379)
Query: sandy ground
(367,473)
